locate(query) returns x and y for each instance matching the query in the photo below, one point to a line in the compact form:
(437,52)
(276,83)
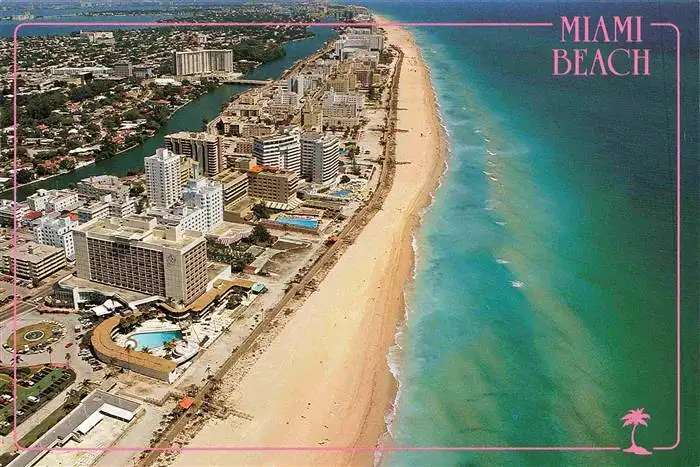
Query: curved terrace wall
(141,362)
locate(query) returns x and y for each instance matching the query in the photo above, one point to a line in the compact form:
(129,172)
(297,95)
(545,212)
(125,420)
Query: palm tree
(170,345)
(85,386)
(49,349)
(73,398)
(68,358)
(635,418)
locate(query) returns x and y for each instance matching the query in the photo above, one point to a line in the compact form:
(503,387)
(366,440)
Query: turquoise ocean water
(544,302)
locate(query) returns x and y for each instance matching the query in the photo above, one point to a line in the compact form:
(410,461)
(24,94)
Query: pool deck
(110,352)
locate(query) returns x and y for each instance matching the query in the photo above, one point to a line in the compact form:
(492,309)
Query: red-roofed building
(33,215)
(49,164)
(186,402)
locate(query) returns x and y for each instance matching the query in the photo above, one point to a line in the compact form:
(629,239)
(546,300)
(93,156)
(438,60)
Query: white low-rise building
(208,196)
(63,201)
(56,231)
(53,200)
(8,210)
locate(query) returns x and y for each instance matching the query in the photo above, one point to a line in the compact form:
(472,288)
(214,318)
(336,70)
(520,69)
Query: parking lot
(68,350)
(35,387)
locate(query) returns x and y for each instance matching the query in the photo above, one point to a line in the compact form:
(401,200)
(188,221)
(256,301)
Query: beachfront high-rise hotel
(319,157)
(163,178)
(135,253)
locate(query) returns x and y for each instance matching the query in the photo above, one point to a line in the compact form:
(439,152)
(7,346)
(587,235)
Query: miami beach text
(620,61)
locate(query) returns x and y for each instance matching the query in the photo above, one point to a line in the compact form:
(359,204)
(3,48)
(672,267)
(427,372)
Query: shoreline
(324,379)
(80,165)
(394,352)
(395,356)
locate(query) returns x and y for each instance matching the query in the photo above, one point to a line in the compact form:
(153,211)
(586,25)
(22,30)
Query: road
(22,307)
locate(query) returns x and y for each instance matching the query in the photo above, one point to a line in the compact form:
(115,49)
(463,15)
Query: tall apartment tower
(202,147)
(163,178)
(319,157)
(282,150)
(197,62)
(208,196)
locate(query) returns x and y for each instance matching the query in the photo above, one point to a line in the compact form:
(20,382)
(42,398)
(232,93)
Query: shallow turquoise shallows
(544,304)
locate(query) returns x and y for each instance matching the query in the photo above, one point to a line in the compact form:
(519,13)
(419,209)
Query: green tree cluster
(261,211)
(260,235)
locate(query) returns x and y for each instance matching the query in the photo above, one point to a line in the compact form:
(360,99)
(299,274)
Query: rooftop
(217,291)
(140,228)
(29,251)
(129,296)
(228,175)
(267,170)
(103,181)
(163,155)
(193,135)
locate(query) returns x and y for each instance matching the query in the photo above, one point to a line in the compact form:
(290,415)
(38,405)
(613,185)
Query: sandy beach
(323,381)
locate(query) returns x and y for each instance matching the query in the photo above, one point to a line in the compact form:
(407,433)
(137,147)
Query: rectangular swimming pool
(153,340)
(306,223)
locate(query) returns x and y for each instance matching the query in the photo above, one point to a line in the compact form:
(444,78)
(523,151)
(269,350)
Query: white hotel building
(163,178)
(208,196)
(342,109)
(319,157)
(282,150)
(202,209)
(56,231)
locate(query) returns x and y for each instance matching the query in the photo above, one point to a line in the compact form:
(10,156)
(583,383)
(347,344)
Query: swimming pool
(307,223)
(154,339)
(342,193)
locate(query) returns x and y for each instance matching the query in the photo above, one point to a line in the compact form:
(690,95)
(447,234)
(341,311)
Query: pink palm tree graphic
(635,418)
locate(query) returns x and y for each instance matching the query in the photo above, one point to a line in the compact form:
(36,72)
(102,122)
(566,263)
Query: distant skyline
(124,3)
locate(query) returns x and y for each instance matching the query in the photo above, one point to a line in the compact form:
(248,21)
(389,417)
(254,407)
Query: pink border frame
(373,448)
